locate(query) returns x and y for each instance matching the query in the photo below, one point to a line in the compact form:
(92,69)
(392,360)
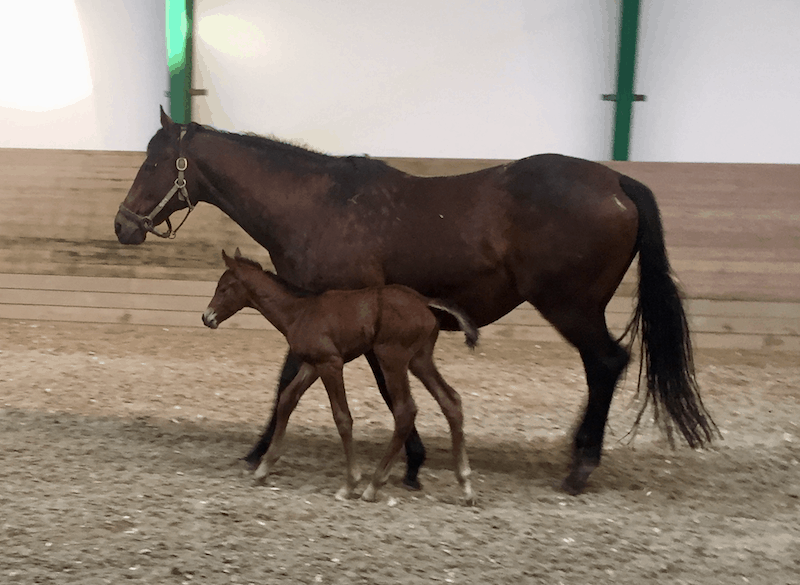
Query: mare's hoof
(412,485)
(575,483)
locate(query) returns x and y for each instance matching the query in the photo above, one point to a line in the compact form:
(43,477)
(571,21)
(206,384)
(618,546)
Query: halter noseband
(145,222)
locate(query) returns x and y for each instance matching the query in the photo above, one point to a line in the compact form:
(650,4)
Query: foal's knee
(404,415)
(344,422)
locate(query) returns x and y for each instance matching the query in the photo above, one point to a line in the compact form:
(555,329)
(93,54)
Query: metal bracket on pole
(612,97)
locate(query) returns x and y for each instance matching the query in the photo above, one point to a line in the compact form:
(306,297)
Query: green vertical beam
(628,30)
(180,14)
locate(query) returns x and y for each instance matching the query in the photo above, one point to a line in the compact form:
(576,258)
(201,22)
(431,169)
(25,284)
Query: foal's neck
(273,300)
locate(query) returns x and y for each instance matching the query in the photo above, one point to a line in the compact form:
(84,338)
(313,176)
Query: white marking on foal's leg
(348,490)
(370,494)
(262,471)
(463,473)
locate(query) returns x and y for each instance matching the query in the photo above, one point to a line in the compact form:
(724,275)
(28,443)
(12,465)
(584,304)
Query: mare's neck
(266,193)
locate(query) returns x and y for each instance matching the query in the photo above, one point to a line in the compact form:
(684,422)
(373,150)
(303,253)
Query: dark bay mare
(554,231)
(329,329)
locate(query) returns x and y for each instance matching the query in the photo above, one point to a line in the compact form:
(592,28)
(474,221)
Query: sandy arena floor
(119,448)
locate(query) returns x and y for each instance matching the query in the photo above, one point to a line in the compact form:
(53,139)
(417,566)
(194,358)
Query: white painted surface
(429,78)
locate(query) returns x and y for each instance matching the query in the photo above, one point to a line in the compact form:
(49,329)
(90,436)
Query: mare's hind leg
(290,368)
(287,402)
(604,360)
(395,369)
(415,450)
(422,367)
(331,374)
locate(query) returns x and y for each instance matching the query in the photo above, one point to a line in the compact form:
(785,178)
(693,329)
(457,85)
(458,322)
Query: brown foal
(328,330)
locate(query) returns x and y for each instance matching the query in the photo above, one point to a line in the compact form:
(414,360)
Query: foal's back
(351,322)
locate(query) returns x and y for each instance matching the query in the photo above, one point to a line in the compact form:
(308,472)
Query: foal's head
(231,295)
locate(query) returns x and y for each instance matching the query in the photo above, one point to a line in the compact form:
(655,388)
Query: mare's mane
(286,154)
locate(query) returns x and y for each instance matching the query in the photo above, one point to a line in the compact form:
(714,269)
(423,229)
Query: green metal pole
(180,16)
(626,67)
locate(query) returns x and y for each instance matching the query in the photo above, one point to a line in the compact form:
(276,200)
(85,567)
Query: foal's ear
(166,121)
(237,253)
(228,260)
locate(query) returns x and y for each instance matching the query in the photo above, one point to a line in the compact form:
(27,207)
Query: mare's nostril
(117,227)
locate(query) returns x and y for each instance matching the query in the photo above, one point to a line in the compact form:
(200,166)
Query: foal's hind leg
(422,367)
(287,402)
(404,411)
(604,360)
(415,450)
(288,373)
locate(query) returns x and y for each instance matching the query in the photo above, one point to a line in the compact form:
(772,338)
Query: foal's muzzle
(210,318)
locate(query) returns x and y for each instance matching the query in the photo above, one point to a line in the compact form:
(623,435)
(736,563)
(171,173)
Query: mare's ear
(228,260)
(166,121)
(238,253)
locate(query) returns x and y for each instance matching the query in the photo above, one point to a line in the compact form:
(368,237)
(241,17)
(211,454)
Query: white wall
(431,78)
(104,96)
(722,80)
(444,78)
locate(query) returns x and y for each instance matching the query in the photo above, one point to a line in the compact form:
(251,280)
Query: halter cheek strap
(179,188)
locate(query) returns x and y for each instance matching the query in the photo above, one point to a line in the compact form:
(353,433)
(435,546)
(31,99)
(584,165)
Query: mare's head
(166,182)
(231,295)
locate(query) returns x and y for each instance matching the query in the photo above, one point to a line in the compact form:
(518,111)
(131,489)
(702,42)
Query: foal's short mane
(292,288)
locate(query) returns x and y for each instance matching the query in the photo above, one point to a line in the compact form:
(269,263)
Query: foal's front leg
(287,402)
(331,374)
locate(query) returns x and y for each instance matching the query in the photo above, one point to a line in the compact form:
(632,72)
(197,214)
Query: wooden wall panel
(733,233)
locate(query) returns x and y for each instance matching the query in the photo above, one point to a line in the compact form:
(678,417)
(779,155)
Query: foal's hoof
(370,494)
(251,463)
(412,485)
(344,493)
(261,474)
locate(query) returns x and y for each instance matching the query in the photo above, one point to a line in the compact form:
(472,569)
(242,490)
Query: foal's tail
(464,322)
(666,348)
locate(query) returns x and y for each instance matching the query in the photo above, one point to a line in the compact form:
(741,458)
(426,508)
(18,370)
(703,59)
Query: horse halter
(145,222)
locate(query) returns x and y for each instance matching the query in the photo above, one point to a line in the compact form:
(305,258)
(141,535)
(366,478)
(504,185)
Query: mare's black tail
(666,347)
(465,323)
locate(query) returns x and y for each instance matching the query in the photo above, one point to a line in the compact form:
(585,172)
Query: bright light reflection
(232,35)
(44,65)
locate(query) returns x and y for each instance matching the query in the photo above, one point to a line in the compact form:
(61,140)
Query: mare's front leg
(331,374)
(415,450)
(287,402)
(290,368)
